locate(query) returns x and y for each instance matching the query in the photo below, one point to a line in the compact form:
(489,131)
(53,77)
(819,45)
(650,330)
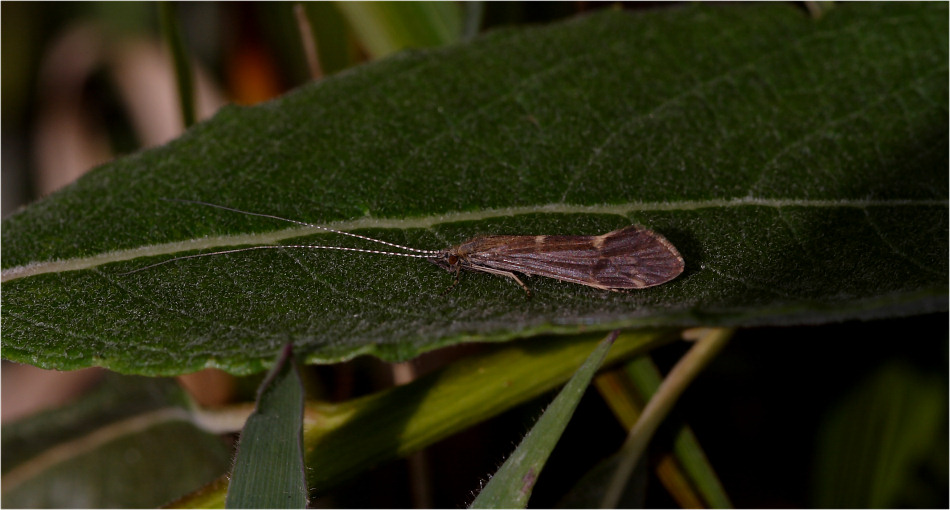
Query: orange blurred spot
(253,76)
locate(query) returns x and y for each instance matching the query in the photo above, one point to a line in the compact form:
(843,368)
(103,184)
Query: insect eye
(453,260)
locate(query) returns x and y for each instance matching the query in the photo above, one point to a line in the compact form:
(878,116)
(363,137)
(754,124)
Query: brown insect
(629,258)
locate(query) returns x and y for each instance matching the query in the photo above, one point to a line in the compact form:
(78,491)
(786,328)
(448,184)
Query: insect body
(629,258)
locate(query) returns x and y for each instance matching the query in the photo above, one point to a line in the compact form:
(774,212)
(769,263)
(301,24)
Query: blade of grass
(332,39)
(342,440)
(386,27)
(874,446)
(512,484)
(269,469)
(472,17)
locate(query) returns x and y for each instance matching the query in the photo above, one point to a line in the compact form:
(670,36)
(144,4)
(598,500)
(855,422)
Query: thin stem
(659,406)
(472,17)
(183,74)
(308,42)
(222,420)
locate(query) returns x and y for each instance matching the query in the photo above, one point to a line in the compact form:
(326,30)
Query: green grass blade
(343,440)
(472,18)
(511,485)
(386,27)
(335,48)
(875,447)
(269,469)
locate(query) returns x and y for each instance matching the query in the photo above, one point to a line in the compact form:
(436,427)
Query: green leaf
(268,468)
(335,49)
(798,165)
(512,484)
(874,447)
(130,443)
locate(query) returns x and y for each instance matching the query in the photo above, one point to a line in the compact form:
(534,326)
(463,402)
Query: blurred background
(85,82)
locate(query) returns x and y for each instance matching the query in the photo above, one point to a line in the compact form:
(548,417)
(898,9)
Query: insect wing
(639,258)
(629,258)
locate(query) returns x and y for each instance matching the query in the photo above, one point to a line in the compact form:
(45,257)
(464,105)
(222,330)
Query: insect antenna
(278,247)
(328,229)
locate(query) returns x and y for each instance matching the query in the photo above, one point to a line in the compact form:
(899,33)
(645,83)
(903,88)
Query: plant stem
(183,75)
(659,406)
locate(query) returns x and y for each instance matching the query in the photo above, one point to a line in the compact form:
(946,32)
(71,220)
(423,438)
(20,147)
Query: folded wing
(629,258)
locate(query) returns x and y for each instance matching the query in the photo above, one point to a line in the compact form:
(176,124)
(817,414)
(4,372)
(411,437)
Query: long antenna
(276,247)
(328,229)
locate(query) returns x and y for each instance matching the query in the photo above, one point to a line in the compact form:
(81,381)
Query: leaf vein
(183,313)
(428,222)
(900,253)
(825,128)
(515,89)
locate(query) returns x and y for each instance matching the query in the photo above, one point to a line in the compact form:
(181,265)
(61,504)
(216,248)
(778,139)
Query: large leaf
(130,443)
(800,166)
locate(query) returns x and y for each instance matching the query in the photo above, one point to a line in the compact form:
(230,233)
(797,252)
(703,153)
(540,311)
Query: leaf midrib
(76,447)
(427,222)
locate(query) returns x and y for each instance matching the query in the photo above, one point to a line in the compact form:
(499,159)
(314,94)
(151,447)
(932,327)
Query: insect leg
(499,272)
(455,283)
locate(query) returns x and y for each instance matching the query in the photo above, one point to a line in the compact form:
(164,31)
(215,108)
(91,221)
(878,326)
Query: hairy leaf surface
(799,166)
